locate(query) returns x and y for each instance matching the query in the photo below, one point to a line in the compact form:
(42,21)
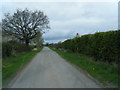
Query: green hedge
(13,47)
(19,47)
(104,46)
(6,49)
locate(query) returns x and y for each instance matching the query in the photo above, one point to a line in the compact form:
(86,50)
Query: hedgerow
(6,49)
(103,46)
(12,47)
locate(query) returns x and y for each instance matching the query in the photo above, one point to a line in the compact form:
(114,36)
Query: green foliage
(106,73)
(12,47)
(103,46)
(11,65)
(7,49)
(32,46)
(20,47)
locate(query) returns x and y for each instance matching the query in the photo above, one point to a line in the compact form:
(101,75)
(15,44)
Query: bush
(7,49)
(103,46)
(12,47)
(19,47)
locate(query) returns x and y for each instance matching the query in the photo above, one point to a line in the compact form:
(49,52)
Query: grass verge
(106,73)
(11,65)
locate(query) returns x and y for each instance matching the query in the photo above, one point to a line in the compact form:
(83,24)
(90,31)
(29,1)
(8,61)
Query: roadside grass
(11,65)
(105,73)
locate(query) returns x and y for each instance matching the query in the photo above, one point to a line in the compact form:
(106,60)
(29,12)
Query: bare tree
(25,24)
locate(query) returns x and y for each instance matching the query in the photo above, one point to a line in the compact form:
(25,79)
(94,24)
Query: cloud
(69,18)
(78,21)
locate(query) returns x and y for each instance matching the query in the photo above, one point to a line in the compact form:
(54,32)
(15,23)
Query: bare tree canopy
(25,24)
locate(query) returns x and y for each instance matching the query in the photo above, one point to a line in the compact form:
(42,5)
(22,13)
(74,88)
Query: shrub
(104,46)
(7,49)
(19,47)
(12,47)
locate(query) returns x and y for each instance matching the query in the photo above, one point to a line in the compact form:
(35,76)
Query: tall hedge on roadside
(6,49)
(104,46)
(13,47)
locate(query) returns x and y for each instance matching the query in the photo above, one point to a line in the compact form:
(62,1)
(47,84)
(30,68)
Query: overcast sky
(69,18)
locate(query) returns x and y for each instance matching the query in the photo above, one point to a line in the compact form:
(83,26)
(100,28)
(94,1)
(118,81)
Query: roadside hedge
(6,49)
(13,47)
(19,47)
(103,46)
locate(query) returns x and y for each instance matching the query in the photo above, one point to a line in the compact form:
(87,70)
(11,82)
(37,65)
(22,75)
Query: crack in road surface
(49,70)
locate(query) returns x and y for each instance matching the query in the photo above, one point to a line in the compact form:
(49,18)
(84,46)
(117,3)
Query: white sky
(60,0)
(69,18)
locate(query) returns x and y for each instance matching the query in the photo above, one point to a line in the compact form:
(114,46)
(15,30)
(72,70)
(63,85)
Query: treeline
(103,46)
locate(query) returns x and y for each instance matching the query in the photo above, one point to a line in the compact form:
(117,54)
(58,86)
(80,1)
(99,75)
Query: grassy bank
(12,64)
(106,73)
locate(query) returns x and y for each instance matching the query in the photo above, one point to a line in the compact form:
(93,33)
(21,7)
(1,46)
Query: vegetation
(11,65)
(12,47)
(103,46)
(106,73)
(6,49)
(25,24)
(38,40)
(22,32)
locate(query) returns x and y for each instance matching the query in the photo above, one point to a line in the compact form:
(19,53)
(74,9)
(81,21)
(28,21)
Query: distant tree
(25,24)
(38,40)
(47,44)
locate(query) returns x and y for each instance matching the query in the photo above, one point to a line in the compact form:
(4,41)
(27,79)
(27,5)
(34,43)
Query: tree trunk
(27,43)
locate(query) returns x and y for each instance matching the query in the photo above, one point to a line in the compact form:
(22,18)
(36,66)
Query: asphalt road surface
(49,70)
